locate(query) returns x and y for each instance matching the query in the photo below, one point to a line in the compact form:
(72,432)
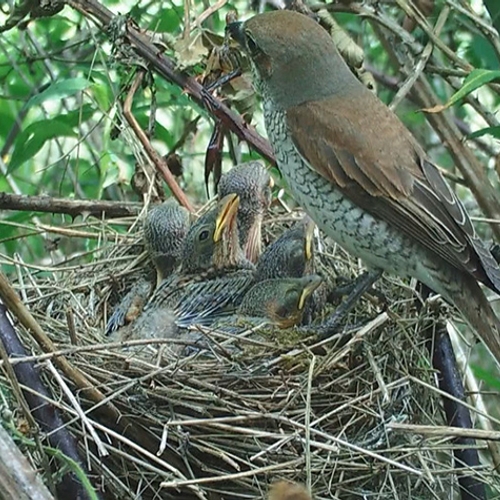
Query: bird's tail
(467,296)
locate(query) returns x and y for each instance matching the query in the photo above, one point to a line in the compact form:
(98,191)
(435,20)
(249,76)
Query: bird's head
(252,183)
(294,294)
(294,59)
(291,255)
(212,240)
(165,229)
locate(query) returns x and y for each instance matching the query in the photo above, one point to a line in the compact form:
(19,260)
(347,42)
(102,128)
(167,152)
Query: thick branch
(17,477)
(44,413)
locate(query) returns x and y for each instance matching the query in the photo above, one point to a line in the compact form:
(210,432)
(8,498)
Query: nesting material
(226,422)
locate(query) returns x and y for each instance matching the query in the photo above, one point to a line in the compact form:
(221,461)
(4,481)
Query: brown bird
(165,229)
(291,255)
(252,183)
(281,300)
(284,490)
(359,172)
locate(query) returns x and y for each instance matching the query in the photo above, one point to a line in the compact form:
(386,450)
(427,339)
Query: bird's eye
(251,45)
(203,235)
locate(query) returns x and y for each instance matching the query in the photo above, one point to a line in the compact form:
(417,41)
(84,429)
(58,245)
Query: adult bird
(252,183)
(165,228)
(359,172)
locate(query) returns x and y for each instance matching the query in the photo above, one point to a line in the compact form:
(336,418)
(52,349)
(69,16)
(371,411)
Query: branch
(17,477)
(46,415)
(97,208)
(159,162)
(165,67)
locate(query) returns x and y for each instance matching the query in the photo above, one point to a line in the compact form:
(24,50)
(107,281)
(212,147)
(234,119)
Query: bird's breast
(372,240)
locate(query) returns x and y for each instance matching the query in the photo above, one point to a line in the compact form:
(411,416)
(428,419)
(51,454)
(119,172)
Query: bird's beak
(227,214)
(236,32)
(314,282)
(253,246)
(309,238)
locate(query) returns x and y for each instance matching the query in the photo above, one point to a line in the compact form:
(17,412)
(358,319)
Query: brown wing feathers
(396,184)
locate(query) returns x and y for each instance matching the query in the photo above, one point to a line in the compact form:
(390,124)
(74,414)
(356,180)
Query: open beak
(228,209)
(313,282)
(309,238)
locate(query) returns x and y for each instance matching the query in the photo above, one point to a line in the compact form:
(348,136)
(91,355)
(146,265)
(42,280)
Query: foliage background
(62,84)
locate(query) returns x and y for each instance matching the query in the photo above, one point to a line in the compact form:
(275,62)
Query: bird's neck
(313,81)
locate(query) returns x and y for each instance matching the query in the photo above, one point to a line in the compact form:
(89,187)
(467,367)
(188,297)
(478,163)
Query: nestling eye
(203,235)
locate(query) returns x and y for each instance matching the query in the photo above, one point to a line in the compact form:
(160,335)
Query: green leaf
(31,140)
(486,376)
(494,131)
(77,116)
(102,95)
(476,78)
(164,135)
(493,7)
(59,90)
(167,21)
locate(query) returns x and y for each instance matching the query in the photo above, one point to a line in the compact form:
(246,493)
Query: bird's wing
(166,293)
(136,296)
(379,166)
(205,301)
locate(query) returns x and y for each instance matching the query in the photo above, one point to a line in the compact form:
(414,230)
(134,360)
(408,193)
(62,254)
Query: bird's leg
(220,82)
(362,284)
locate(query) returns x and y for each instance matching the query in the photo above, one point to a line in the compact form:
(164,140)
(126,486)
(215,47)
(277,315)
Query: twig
(445,431)
(97,208)
(97,440)
(310,377)
(229,477)
(159,162)
(422,62)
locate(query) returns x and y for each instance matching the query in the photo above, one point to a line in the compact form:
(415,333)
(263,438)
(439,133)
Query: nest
(224,423)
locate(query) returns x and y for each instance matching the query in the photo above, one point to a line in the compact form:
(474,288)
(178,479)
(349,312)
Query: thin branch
(158,62)
(97,208)
(159,162)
